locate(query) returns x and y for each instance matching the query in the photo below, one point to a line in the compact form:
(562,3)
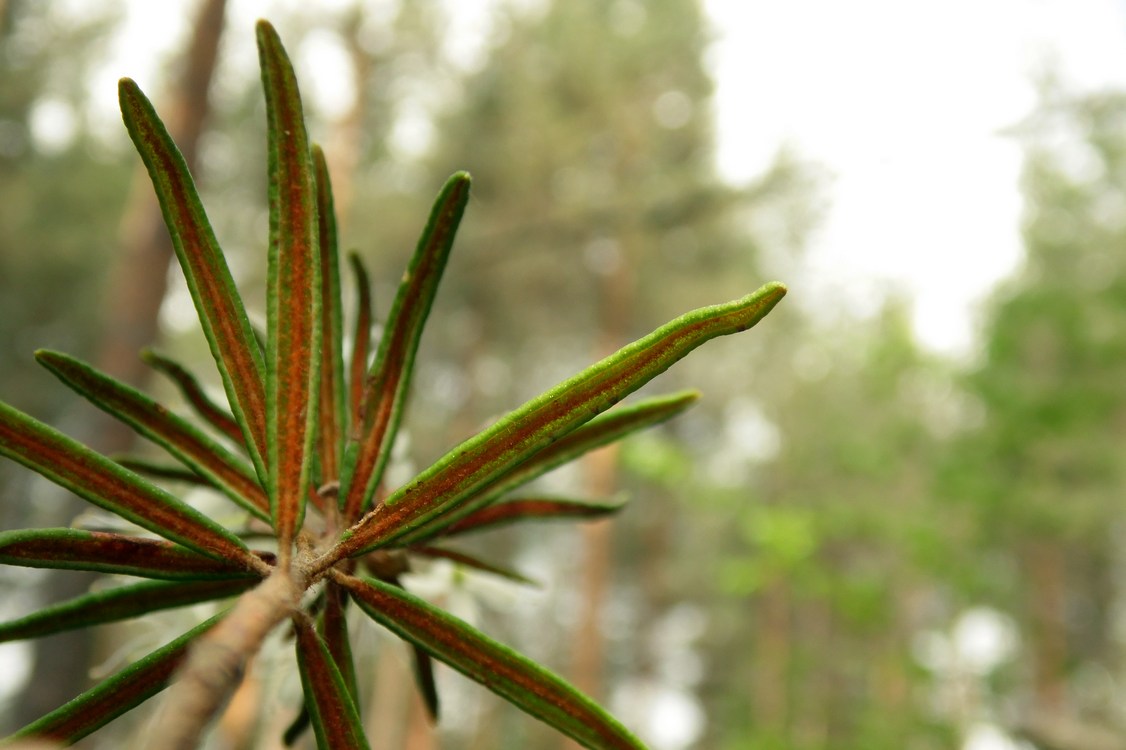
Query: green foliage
(311,459)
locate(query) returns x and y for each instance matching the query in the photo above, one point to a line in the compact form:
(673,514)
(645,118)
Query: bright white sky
(903,103)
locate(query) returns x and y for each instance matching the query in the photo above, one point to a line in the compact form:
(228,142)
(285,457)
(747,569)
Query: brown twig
(216,663)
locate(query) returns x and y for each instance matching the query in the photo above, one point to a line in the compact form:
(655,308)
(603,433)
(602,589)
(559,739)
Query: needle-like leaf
(469,561)
(112,697)
(221,312)
(158,470)
(472,466)
(293,309)
(359,364)
(180,438)
(602,430)
(102,552)
(514,677)
(423,669)
(333,627)
(530,509)
(333,416)
(190,388)
(95,478)
(335,719)
(120,603)
(387,384)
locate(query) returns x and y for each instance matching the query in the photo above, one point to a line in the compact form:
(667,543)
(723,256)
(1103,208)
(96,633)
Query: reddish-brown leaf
(152,420)
(335,719)
(333,416)
(102,552)
(293,298)
(385,391)
(516,678)
(193,393)
(529,509)
(475,464)
(100,481)
(115,696)
(221,312)
(120,603)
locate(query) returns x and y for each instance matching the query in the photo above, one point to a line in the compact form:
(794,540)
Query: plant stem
(216,662)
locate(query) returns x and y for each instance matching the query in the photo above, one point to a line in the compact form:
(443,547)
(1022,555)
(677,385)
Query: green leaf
(602,430)
(114,696)
(336,721)
(514,677)
(102,482)
(358,365)
(333,416)
(423,669)
(221,312)
(333,627)
(158,470)
(119,604)
(190,388)
(388,382)
(102,552)
(293,297)
(470,561)
(529,509)
(475,464)
(181,439)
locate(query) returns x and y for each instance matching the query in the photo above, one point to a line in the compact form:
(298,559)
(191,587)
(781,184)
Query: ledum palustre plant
(301,448)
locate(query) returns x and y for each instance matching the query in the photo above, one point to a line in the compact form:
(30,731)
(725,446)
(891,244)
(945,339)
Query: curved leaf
(388,381)
(221,312)
(119,604)
(190,388)
(181,439)
(157,470)
(102,482)
(362,340)
(469,561)
(602,430)
(293,298)
(530,509)
(333,415)
(335,719)
(116,695)
(333,627)
(481,460)
(516,678)
(102,552)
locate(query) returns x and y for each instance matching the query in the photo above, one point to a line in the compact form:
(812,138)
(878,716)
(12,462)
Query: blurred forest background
(850,544)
